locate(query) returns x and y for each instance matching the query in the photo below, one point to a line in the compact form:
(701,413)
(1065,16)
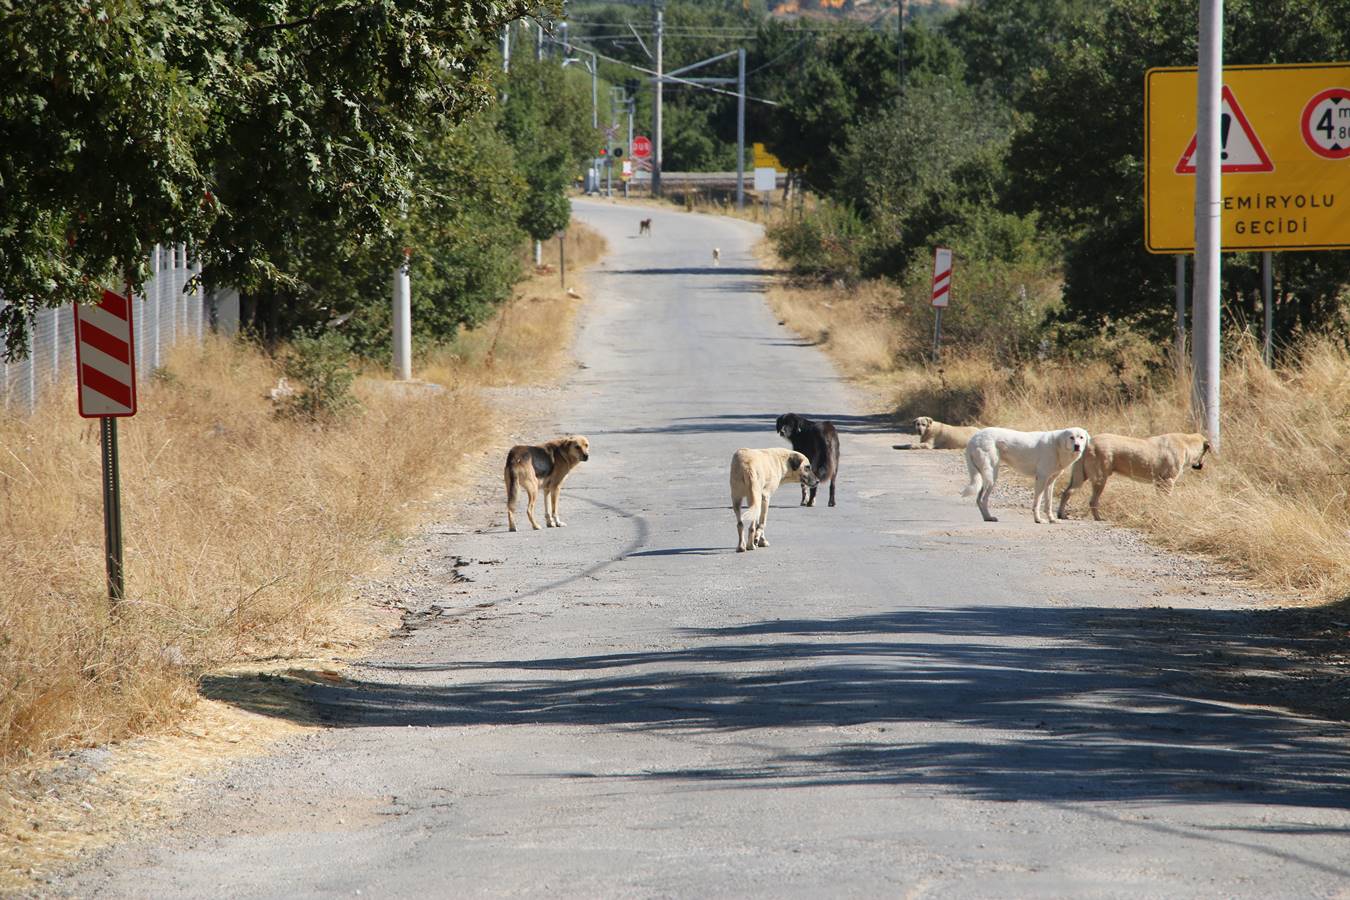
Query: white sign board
(942,276)
(766,179)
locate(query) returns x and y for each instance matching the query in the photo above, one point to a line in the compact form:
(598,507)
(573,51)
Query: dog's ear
(794,462)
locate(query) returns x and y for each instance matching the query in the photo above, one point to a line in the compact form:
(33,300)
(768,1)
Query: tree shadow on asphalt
(881,423)
(1151,704)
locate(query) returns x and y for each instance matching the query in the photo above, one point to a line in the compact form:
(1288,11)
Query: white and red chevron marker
(942,276)
(105,359)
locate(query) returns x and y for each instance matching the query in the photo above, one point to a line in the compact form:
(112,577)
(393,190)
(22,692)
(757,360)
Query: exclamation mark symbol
(1225,123)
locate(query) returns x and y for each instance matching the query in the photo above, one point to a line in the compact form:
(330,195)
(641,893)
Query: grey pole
(595,110)
(1208,199)
(740,130)
(630,102)
(660,84)
(538,40)
(1268,306)
(1181,317)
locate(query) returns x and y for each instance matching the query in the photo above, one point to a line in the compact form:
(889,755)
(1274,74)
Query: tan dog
(546,465)
(755,475)
(1160,459)
(939,435)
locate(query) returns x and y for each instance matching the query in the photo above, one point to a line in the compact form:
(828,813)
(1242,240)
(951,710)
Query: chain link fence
(162,314)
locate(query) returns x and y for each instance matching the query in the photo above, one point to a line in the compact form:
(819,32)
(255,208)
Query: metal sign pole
(1268,307)
(562,258)
(112,509)
(937,333)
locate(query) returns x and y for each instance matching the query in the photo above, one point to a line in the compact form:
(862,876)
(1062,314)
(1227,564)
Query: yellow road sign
(766,160)
(1286,172)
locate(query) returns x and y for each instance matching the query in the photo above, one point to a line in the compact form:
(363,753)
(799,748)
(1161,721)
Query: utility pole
(631,102)
(1208,210)
(660,84)
(403,321)
(740,130)
(538,40)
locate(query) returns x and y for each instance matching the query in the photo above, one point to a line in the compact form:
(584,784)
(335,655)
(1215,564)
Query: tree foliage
(232,126)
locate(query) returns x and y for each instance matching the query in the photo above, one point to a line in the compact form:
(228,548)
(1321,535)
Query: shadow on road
(763,422)
(1106,704)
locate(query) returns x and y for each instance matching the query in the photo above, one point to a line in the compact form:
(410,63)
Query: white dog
(1044,454)
(717,256)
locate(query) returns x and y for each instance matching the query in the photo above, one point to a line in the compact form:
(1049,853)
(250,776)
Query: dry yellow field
(243,533)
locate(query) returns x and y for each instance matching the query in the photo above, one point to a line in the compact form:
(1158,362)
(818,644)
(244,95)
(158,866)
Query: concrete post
(403,321)
(740,129)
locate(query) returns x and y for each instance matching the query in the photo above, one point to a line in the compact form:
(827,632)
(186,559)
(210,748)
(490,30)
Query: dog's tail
(976,479)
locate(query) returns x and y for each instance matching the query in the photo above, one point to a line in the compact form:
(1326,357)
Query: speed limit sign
(1326,123)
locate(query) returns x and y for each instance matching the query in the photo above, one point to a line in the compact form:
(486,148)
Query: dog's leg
(1050,498)
(760,539)
(811,501)
(550,507)
(1064,499)
(1038,498)
(557,495)
(532,494)
(989,477)
(832,492)
(1097,488)
(740,525)
(804,491)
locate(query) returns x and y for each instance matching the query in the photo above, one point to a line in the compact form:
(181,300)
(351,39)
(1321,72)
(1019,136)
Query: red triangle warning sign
(1240,149)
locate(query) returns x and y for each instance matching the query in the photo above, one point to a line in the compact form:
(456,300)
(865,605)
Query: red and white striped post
(105,367)
(942,292)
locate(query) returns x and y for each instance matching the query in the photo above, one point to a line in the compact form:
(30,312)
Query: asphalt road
(895,698)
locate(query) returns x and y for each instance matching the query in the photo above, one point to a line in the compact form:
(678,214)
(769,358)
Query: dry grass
(243,532)
(1274,503)
(523,342)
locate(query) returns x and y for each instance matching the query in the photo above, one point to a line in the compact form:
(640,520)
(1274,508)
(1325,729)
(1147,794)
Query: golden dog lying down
(1160,459)
(939,435)
(755,475)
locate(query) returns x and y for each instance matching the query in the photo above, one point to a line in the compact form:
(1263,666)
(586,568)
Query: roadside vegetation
(246,521)
(1059,317)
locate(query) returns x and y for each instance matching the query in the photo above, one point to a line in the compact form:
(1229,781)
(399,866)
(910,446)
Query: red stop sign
(642,147)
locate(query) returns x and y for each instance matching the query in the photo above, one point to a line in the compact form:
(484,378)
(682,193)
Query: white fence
(162,315)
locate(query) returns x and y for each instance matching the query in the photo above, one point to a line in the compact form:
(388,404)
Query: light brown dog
(544,466)
(939,435)
(755,475)
(1160,459)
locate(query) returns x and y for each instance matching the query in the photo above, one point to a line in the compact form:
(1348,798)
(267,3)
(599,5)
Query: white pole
(1208,199)
(538,253)
(403,322)
(157,268)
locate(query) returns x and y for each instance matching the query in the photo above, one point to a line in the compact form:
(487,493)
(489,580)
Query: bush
(322,365)
(826,243)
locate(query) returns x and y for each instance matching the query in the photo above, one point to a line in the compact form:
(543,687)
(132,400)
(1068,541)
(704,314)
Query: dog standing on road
(755,475)
(717,256)
(645,227)
(543,466)
(1044,454)
(1160,459)
(819,442)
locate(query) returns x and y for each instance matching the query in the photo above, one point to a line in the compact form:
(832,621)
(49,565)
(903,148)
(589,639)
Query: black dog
(819,442)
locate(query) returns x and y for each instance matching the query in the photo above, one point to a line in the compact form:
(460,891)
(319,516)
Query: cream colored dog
(939,435)
(1159,459)
(1044,454)
(755,475)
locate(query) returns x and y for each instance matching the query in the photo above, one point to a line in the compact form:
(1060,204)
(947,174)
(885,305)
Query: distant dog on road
(1160,459)
(717,256)
(645,227)
(1044,454)
(819,442)
(755,475)
(939,435)
(544,466)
